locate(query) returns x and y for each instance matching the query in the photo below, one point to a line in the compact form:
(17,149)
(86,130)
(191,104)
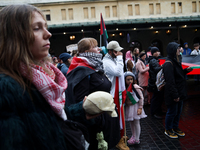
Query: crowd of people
(41,99)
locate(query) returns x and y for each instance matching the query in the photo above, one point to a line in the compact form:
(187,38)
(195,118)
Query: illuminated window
(173,8)
(107,9)
(70,13)
(194,7)
(93,15)
(85,12)
(158,11)
(130,10)
(63,12)
(137,9)
(151,11)
(114,9)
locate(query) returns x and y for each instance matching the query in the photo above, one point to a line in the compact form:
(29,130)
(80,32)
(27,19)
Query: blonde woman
(85,76)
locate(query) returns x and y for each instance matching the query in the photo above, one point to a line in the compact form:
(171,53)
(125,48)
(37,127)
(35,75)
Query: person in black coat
(175,90)
(158,96)
(85,76)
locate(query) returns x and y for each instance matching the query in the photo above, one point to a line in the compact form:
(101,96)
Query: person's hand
(177,99)
(139,111)
(89,116)
(116,53)
(100,49)
(189,69)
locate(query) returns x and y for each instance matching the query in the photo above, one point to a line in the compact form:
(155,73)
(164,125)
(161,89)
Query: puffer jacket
(174,76)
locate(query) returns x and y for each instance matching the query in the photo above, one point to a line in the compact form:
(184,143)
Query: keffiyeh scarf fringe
(53,92)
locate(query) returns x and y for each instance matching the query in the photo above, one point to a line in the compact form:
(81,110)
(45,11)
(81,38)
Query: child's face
(197,47)
(129,79)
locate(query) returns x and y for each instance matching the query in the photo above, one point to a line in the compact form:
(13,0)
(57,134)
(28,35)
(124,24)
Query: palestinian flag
(119,99)
(188,61)
(131,95)
(103,31)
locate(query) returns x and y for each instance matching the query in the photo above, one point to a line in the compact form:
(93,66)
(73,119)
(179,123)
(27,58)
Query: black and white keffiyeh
(93,59)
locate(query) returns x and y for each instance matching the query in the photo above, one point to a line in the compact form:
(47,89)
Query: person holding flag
(114,69)
(134,107)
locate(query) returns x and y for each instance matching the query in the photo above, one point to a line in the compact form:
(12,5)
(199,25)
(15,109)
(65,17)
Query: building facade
(141,21)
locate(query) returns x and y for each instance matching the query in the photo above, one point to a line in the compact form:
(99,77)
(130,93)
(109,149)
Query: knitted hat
(142,54)
(128,73)
(98,102)
(64,57)
(154,49)
(149,48)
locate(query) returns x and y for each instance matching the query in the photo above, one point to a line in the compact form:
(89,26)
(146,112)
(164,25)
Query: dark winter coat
(174,76)
(74,78)
(83,81)
(154,68)
(28,122)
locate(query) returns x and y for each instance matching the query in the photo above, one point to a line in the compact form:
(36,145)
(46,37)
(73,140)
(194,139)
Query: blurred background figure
(55,61)
(143,76)
(65,61)
(157,96)
(186,49)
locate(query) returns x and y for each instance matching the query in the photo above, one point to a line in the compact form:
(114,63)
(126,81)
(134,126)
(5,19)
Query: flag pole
(100,39)
(124,127)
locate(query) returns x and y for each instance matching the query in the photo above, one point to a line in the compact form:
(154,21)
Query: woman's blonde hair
(86,44)
(16,39)
(134,51)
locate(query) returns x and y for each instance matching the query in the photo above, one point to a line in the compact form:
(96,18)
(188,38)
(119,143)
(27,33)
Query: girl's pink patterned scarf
(53,92)
(128,55)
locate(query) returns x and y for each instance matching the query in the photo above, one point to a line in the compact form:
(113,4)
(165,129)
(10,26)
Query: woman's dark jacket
(154,68)
(174,76)
(28,122)
(83,81)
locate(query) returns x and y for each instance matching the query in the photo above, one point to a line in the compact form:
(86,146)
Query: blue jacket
(186,51)
(64,69)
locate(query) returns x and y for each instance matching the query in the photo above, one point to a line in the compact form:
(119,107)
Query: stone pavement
(152,130)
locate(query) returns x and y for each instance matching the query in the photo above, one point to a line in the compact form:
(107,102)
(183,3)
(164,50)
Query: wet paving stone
(152,130)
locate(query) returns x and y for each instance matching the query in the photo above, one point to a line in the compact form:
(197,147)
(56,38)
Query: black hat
(142,54)
(64,57)
(154,49)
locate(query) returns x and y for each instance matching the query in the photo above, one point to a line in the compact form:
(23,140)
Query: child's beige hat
(98,102)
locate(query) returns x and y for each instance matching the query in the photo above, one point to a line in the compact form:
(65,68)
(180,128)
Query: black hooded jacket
(174,76)
(154,68)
